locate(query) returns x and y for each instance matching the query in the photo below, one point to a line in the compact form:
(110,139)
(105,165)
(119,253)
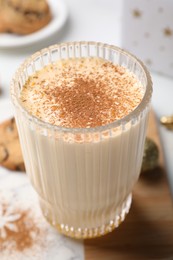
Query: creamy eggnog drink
(81,110)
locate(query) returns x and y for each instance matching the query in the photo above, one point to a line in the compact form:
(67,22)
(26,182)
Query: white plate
(59,12)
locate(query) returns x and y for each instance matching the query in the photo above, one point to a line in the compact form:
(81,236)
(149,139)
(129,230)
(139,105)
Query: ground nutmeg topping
(18,230)
(81,93)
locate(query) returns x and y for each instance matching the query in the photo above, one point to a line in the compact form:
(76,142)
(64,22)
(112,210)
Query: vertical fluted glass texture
(84,177)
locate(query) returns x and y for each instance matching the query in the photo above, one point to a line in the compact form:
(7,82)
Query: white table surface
(96,20)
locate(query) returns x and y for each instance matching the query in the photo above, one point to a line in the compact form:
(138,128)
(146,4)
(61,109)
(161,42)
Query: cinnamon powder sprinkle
(25,234)
(81,93)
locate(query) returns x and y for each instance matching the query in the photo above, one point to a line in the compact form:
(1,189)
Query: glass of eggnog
(81,110)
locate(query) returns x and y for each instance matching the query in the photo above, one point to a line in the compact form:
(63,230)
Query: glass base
(86,233)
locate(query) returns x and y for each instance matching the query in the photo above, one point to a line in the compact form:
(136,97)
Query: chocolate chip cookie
(10,151)
(23,16)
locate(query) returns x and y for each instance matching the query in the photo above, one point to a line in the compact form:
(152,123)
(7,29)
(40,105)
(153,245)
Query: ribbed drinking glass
(83,176)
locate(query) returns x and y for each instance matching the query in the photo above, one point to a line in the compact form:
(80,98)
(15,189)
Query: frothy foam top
(81,93)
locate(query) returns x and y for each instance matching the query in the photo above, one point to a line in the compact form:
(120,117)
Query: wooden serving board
(147,232)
